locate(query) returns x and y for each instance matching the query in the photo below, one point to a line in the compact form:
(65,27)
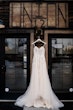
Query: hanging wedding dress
(39,92)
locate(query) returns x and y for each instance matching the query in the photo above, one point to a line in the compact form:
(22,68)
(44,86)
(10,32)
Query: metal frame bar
(9,101)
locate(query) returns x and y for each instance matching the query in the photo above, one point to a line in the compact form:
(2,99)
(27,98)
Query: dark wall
(4,12)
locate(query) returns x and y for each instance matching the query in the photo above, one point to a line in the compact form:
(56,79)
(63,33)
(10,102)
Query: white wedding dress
(39,92)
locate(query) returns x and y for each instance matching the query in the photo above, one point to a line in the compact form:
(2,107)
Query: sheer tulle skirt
(39,92)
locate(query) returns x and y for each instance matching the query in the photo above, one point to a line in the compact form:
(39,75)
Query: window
(62,64)
(16,60)
(29,15)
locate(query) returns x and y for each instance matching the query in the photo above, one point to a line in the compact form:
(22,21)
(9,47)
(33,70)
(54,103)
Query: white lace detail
(39,92)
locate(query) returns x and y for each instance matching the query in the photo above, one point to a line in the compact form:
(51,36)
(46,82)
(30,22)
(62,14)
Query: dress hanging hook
(39,40)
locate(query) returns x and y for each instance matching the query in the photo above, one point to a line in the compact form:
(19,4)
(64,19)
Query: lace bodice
(39,92)
(39,51)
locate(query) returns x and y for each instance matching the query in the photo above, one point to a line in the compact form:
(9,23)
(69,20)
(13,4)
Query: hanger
(39,40)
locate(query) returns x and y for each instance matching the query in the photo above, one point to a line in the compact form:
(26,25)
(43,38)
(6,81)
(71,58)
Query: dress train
(39,92)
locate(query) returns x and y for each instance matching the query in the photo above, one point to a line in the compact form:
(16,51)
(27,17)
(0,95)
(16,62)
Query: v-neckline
(39,47)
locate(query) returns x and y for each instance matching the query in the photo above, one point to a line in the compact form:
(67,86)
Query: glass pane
(15,13)
(62,64)
(27,18)
(11,46)
(16,64)
(51,15)
(43,13)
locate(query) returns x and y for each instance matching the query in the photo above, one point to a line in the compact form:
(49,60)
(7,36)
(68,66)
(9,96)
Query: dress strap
(34,45)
